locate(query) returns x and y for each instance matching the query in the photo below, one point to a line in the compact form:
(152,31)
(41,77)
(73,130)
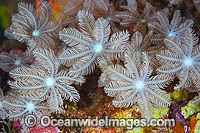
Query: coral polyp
(133,84)
(182,60)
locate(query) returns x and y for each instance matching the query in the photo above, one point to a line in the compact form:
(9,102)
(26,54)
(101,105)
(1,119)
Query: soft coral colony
(156,53)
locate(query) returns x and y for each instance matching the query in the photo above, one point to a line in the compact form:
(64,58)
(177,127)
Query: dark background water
(7,8)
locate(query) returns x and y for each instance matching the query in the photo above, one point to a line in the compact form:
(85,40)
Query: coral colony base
(136,66)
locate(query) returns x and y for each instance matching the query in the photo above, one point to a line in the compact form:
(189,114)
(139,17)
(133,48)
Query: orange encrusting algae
(58,6)
(193,123)
(38,2)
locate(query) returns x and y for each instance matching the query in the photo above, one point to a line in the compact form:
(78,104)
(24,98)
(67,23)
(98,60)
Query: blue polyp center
(109,18)
(171,33)
(137,53)
(50,82)
(17,62)
(36,33)
(139,84)
(188,61)
(98,48)
(143,20)
(30,106)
